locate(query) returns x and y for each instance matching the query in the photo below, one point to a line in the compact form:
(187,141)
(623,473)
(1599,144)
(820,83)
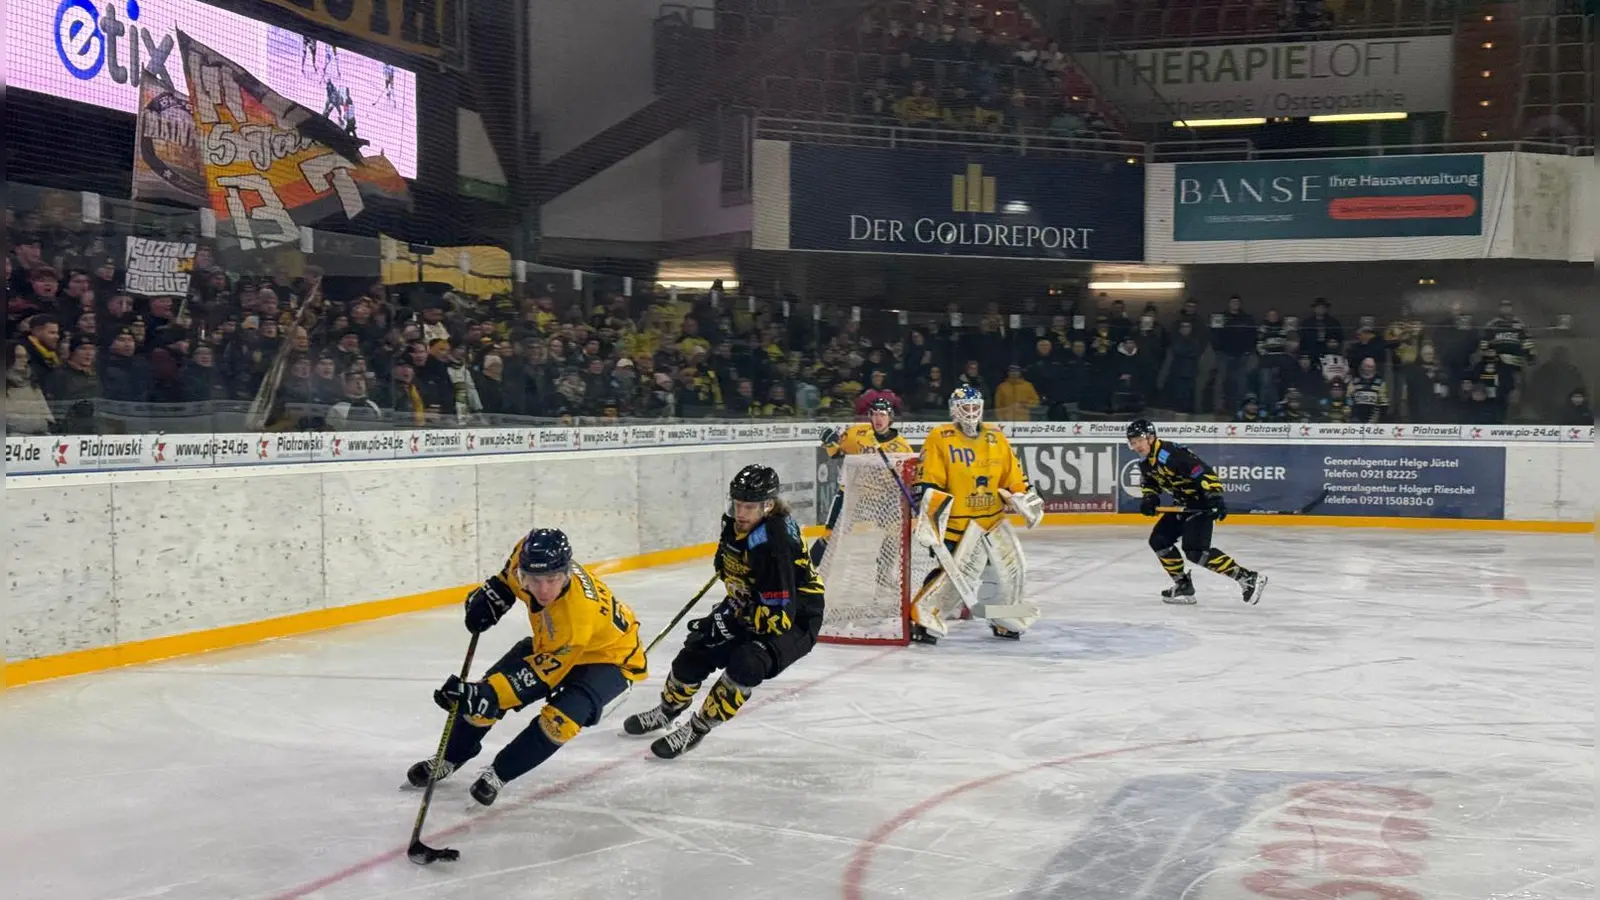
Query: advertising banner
(1350,197)
(1299,79)
(95,52)
(1433,481)
(869,200)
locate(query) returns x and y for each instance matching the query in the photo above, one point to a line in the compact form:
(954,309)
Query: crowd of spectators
(958,76)
(82,346)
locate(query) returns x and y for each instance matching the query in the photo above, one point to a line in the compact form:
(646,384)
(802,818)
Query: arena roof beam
(672,111)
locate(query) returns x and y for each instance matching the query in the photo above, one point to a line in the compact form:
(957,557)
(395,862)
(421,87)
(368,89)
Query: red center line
(556,789)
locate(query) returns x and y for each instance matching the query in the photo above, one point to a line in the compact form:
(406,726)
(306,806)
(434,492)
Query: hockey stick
(969,594)
(421,853)
(679,617)
(1299,511)
(616,702)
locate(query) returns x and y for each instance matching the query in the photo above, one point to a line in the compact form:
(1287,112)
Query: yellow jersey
(860,438)
(972,470)
(586,625)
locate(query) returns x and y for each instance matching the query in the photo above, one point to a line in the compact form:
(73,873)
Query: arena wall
(125,550)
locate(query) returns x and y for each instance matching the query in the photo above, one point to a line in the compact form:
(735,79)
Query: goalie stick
(969,593)
(418,852)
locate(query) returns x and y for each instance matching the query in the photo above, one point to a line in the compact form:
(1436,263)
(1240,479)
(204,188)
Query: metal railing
(845,131)
(1021,142)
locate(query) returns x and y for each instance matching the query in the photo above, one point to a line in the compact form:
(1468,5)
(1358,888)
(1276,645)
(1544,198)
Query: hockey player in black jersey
(771,617)
(1166,468)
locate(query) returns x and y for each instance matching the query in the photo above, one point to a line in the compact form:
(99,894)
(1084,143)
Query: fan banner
(271,165)
(166,157)
(159,268)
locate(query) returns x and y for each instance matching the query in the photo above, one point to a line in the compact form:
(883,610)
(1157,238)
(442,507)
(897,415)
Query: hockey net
(871,568)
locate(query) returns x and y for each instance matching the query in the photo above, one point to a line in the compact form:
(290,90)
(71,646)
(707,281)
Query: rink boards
(131,548)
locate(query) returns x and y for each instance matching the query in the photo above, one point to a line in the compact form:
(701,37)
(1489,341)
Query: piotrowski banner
(1347,197)
(1298,79)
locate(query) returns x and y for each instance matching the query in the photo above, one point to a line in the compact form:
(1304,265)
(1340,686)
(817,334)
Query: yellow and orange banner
(270,165)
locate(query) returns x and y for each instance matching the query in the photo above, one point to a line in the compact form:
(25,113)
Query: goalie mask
(966,409)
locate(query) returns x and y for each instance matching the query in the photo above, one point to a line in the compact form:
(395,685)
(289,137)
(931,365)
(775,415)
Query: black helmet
(1141,428)
(754,483)
(880,405)
(545,550)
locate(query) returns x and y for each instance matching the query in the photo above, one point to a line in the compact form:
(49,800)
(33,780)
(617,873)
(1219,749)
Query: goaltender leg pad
(1010,568)
(954,583)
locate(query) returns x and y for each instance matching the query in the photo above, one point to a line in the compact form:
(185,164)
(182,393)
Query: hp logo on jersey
(1129,478)
(962,455)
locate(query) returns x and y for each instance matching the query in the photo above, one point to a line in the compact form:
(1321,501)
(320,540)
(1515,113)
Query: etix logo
(87,42)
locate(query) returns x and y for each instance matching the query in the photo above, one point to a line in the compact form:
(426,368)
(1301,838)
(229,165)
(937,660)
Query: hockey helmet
(1141,428)
(966,408)
(754,483)
(880,405)
(545,551)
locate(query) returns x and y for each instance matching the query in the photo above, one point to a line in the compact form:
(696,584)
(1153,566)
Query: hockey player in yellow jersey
(878,432)
(970,481)
(584,653)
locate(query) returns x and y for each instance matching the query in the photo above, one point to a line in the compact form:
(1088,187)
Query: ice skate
(487,787)
(653,719)
(1181,592)
(681,739)
(1253,584)
(417,775)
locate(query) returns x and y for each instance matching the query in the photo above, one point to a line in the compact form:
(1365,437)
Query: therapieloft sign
(1291,79)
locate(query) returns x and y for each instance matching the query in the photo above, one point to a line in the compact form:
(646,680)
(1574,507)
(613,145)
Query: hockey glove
(719,628)
(477,699)
(487,604)
(1027,504)
(1215,507)
(830,437)
(1147,506)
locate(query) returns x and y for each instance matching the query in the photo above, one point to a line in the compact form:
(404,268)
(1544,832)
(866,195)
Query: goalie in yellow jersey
(878,432)
(583,655)
(970,481)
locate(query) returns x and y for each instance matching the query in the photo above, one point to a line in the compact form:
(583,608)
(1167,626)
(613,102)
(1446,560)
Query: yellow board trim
(80,662)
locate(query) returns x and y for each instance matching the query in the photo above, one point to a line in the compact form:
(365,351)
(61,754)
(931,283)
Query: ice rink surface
(1408,715)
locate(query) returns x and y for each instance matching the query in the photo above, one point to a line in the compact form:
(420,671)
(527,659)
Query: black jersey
(1177,471)
(1508,336)
(1369,399)
(768,575)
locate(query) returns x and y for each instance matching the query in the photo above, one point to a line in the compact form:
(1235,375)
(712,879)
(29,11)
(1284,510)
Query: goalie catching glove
(1028,504)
